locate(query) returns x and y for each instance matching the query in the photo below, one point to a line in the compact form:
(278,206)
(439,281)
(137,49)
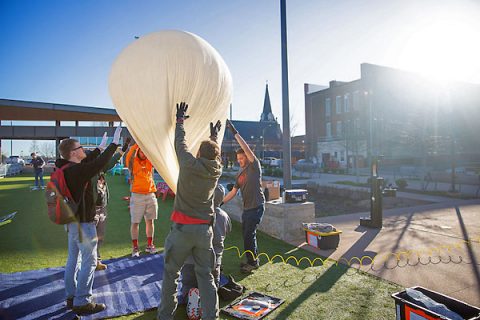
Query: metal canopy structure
(18,110)
(41,111)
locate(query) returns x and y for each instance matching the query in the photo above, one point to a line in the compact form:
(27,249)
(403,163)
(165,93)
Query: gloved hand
(103,145)
(126,144)
(231,127)
(181,111)
(214,130)
(116,135)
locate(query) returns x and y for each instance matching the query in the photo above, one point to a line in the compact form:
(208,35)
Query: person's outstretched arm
(89,169)
(183,154)
(230,195)
(248,152)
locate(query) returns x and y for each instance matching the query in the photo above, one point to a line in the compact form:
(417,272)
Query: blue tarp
(127,286)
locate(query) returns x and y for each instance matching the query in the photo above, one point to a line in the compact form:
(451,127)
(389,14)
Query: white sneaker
(135,253)
(151,249)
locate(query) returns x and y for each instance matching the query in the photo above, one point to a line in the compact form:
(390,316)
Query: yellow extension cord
(430,252)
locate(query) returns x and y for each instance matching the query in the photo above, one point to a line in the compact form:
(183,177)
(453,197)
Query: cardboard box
(273,187)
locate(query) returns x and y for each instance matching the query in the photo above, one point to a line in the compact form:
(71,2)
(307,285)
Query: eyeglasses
(77,148)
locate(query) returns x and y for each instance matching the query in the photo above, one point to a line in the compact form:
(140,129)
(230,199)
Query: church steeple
(267,115)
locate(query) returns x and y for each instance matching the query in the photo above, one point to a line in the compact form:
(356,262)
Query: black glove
(214,130)
(181,110)
(231,127)
(126,144)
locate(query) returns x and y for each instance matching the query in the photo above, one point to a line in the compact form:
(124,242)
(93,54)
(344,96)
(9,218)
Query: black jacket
(78,178)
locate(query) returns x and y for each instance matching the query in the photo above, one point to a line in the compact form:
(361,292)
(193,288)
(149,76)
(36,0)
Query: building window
(336,155)
(338,104)
(328,107)
(356,100)
(339,129)
(357,125)
(346,102)
(342,155)
(329,129)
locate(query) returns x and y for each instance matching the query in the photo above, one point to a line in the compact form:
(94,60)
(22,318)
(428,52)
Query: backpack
(61,207)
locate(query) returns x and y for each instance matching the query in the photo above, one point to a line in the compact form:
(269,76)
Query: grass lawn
(31,241)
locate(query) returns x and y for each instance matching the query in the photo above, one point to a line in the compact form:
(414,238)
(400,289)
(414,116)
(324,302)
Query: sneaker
(35,188)
(69,303)
(100,266)
(247,268)
(89,308)
(135,252)
(151,249)
(43,187)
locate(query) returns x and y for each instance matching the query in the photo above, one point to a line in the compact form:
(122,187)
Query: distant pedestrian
(38,164)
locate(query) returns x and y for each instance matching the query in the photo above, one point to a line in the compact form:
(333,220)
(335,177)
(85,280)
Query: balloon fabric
(152,75)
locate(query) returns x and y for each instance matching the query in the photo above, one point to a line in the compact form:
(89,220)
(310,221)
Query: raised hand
(181,112)
(214,130)
(116,135)
(231,127)
(103,144)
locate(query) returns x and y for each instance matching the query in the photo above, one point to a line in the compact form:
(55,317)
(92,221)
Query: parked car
(272,162)
(15,159)
(304,165)
(50,164)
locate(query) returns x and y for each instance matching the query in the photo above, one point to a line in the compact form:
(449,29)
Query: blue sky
(62,51)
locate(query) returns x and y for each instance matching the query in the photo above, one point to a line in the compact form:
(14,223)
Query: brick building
(400,115)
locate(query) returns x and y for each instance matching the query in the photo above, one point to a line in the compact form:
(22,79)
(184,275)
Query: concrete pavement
(435,246)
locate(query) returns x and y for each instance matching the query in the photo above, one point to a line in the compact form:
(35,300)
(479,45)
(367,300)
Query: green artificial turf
(31,241)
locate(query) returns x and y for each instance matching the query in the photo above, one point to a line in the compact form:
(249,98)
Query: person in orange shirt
(143,201)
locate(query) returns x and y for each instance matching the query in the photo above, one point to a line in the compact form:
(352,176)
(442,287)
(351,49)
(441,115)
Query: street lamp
(263,146)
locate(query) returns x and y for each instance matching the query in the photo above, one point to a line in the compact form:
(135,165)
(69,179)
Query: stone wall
(340,191)
(281,220)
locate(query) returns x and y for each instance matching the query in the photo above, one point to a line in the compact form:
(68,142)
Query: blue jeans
(251,218)
(39,176)
(81,262)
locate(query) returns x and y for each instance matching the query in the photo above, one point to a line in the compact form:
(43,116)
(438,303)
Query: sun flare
(443,48)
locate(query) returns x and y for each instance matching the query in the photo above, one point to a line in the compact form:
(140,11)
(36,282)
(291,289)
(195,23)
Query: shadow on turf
(327,280)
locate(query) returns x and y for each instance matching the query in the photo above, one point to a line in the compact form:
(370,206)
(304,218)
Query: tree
(34,147)
(47,149)
(293,125)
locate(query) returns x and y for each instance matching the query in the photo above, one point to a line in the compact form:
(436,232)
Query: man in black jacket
(82,235)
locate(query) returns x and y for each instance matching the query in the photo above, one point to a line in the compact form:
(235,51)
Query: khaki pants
(182,241)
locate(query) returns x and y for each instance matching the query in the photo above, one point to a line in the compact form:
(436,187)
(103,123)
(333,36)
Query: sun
(444,48)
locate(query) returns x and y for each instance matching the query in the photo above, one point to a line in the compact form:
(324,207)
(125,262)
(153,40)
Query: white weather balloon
(156,72)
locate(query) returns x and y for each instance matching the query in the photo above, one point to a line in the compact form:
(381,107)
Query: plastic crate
(323,240)
(407,310)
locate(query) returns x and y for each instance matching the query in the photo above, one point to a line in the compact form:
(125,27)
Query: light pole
(287,148)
